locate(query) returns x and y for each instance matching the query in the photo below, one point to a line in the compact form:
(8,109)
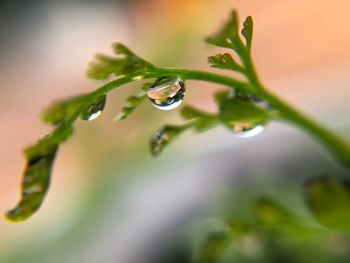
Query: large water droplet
(95,109)
(246,130)
(167,93)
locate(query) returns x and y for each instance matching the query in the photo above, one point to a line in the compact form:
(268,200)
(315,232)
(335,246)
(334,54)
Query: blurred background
(110,201)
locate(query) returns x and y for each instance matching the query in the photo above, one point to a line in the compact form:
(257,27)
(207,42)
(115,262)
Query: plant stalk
(336,145)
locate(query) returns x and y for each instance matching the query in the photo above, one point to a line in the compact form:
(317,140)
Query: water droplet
(162,137)
(229,41)
(159,139)
(137,77)
(246,130)
(94,110)
(167,93)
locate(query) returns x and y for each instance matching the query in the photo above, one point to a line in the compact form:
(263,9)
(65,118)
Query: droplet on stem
(167,93)
(94,110)
(246,130)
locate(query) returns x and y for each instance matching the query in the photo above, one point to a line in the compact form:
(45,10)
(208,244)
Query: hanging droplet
(162,137)
(94,110)
(167,93)
(246,130)
(159,139)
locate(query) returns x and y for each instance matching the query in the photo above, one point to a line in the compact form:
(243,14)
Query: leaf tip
(12,215)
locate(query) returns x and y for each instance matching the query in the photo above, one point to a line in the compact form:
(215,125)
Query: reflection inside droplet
(167,93)
(246,130)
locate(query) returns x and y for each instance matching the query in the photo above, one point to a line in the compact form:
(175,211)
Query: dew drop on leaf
(246,130)
(167,93)
(94,110)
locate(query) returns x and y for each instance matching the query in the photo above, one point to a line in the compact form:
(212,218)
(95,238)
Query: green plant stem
(206,76)
(336,145)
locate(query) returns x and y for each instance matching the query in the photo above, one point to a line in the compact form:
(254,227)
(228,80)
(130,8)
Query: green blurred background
(110,201)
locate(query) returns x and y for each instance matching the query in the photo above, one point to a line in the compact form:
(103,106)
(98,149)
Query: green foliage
(163,136)
(36,179)
(270,213)
(200,121)
(94,109)
(329,201)
(133,102)
(63,111)
(247,31)
(128,65)
(228,36)
(62,115)
(213,246)
(237,109)
(232,110)
(238,106)
(224,61)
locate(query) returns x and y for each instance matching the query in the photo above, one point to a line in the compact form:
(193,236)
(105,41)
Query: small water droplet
(94,110)
(163,136)
(94,116)
(137,77)
(167,93)
(246,130)
(159,139)
(229,41)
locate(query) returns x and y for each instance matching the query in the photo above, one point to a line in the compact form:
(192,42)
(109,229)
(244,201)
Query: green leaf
(190,113)
(236,109)
(163,136)
(128,64)
(133,102)
(270,213)
(228,36)
(247,31)
(36,179)
(213,246)
(37,174)
(224,61)
(63,110)
(62,114)
(40,156)
(201,121)
(329,200)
